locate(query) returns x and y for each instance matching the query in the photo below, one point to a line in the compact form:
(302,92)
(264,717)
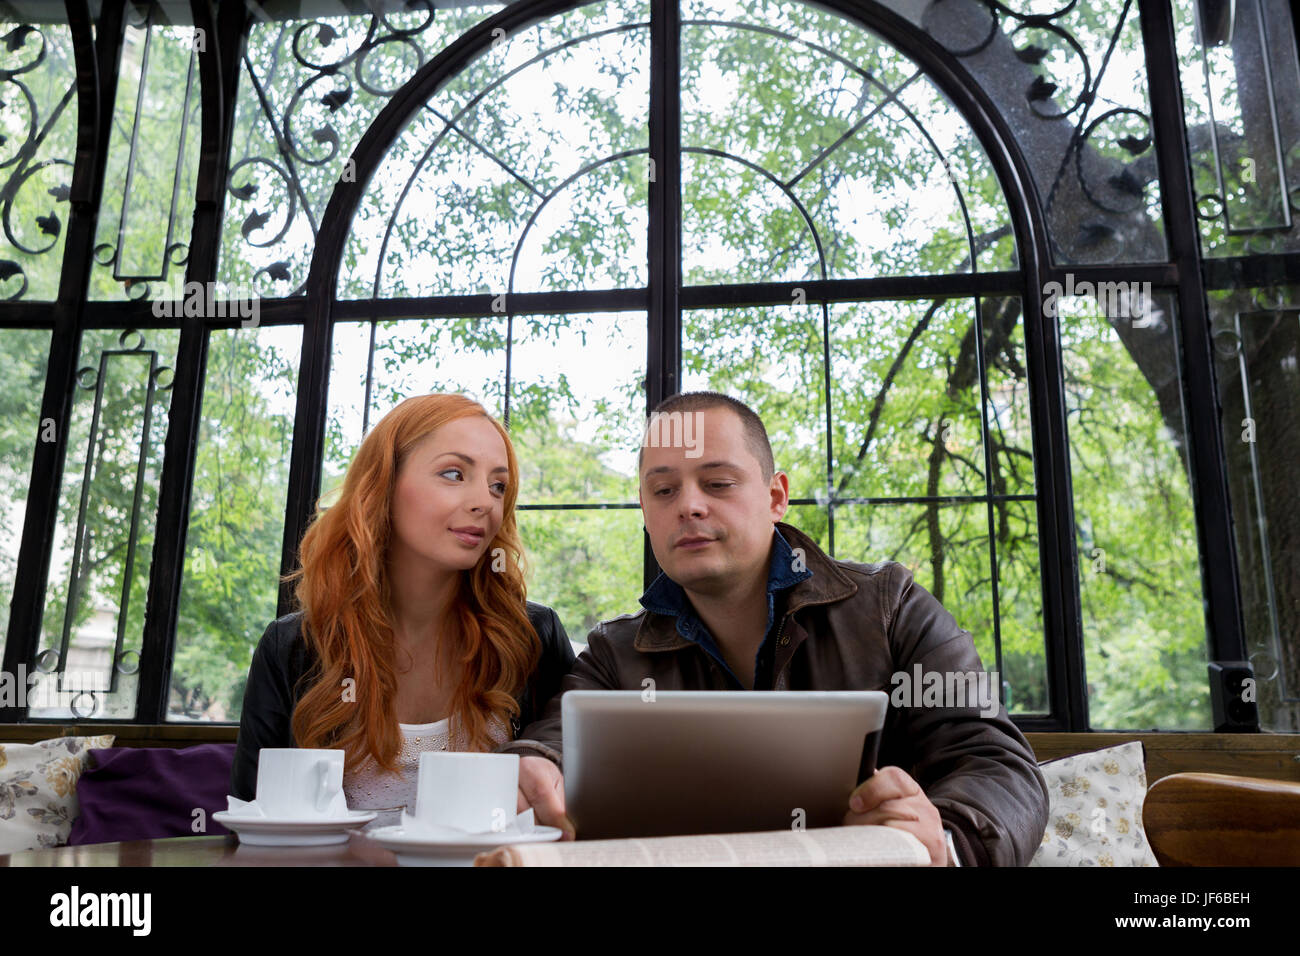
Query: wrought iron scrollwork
(333,68)
(1045,69)
(32,189)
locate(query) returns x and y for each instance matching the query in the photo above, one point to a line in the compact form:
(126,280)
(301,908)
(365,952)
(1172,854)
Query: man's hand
(541,786)
(892,798)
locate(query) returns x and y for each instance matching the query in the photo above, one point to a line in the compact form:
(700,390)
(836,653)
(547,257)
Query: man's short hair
(755,433)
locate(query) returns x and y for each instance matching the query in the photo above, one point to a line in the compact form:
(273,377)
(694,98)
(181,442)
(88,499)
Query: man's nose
(692,502)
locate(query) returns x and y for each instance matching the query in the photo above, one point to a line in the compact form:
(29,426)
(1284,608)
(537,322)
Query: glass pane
(1140,573)
(409,357)
(946,548)
(143,232)
(1241,99)
(1070,81)
(1020,608)
(772,359)
(532,163)
(586,564)
(236,529)
(812,520)
(906,399)
(1257,351)
(38,123)
(577,405)
(308,90)
(103,540)
(812,149)
(24,354)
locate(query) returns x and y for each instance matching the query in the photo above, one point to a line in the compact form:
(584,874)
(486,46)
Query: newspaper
(828,846)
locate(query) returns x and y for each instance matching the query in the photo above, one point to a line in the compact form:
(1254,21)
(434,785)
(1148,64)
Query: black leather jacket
(283,659)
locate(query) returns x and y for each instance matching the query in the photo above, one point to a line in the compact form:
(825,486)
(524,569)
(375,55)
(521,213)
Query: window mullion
(664,334)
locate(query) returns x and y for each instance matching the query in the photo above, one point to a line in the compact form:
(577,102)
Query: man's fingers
(887,783)
(900,808)
(936,846)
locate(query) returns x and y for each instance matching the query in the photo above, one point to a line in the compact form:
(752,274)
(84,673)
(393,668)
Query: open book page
(829,846)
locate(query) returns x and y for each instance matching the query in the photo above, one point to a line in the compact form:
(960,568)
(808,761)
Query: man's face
(706,507)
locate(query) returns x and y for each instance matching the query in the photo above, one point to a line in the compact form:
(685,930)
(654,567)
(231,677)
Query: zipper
(780,642)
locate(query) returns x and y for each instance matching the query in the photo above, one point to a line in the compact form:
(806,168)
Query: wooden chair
(1215,819)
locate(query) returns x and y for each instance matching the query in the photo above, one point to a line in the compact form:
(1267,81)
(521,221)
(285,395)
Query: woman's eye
(500,487)
(449,471)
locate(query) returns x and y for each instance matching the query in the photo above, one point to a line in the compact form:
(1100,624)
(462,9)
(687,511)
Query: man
(746,601)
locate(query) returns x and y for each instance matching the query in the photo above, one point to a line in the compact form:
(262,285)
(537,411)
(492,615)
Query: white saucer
(265,831)
(423,848)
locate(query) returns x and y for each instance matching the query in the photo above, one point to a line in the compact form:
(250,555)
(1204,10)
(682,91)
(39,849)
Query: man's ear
(780,491)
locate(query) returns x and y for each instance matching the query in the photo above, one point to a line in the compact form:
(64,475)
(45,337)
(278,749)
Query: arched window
(948,250)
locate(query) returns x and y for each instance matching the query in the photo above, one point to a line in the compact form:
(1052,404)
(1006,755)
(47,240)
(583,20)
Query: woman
(414,633)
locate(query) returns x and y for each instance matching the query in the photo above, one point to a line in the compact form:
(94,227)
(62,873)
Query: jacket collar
(821,582)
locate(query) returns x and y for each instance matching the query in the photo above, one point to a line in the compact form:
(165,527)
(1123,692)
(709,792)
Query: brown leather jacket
(850,626)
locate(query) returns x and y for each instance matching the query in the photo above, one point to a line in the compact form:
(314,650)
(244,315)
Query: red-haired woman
(413,632)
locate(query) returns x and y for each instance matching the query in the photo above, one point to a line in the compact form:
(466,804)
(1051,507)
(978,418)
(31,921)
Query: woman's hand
(541,786)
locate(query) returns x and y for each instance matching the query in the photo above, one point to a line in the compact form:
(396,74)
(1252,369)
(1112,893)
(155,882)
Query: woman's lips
(467,538)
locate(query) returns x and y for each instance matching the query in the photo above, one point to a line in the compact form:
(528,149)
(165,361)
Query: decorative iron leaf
(1126,182)
(1096,232)
(336,98)
(256,220)
(1135,144)
(246,191)
(15,38)
(50,224)
(1040,89)
(279,271)
(1031,54)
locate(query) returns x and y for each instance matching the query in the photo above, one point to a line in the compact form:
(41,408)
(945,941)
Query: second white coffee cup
(474,792)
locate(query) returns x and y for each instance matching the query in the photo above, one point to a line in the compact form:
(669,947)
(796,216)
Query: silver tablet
(676,762)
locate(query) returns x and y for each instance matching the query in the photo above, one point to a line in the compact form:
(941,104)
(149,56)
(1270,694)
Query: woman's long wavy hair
(344,592)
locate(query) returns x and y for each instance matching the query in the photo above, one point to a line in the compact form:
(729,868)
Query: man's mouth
(694,543)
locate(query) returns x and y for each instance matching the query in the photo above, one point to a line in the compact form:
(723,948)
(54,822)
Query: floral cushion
(1095,810)
(38,790)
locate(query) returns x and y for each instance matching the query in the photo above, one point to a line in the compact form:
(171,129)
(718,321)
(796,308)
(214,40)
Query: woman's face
(449,499)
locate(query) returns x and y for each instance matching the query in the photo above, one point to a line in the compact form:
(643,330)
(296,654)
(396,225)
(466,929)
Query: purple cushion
(144,793)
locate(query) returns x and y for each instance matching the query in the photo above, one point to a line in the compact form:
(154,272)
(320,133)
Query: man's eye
(661,491)
(721,484)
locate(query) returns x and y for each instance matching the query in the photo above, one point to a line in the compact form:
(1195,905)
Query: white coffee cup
(301,783)
(474,792)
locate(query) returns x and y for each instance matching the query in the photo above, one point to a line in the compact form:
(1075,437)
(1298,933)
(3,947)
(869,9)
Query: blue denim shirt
(665,596)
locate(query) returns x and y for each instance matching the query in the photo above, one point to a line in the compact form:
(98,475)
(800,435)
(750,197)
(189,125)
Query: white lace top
(369,788)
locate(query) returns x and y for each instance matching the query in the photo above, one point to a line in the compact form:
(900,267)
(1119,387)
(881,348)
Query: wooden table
(222,850)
